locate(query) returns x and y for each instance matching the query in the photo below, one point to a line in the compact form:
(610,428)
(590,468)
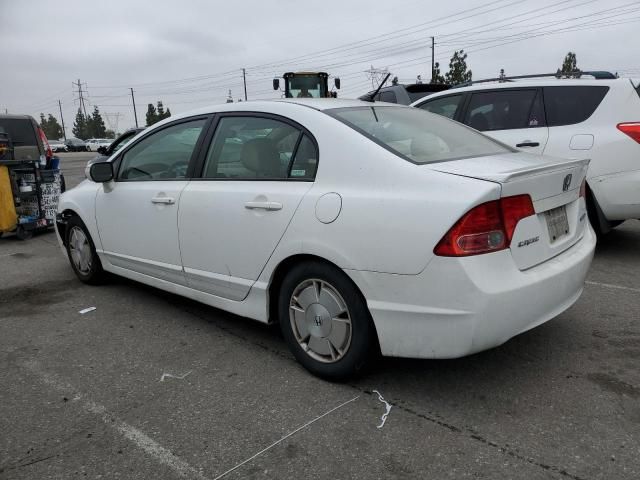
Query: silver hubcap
(320,320)
(80,250)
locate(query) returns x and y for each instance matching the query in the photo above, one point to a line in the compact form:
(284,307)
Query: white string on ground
(137,437)
(170,375)
(616,287)
(285,437)
(387,405)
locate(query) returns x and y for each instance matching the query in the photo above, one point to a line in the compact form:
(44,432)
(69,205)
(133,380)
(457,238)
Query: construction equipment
(307,85)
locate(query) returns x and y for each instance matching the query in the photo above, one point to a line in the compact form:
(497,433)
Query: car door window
(305,162)
(568,105)
(252,148)
(445,106)
(504,110)
(163,155)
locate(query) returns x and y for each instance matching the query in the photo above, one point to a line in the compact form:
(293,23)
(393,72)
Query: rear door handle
(528,143)
(263,205)
(163,200)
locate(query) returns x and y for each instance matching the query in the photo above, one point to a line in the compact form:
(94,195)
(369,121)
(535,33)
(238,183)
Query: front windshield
(416,135)
(303,86)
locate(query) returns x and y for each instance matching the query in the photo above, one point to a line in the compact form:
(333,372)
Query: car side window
(445,106)
(503,110)
(251,148)
(568,105)
(163,155)
(388,96)
(305,162)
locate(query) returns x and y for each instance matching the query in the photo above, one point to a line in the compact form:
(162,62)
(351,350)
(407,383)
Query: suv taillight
(45,143)
(583,188)
(485,228)
(630,128)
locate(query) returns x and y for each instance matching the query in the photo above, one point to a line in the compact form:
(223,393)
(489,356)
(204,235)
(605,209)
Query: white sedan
(360,228)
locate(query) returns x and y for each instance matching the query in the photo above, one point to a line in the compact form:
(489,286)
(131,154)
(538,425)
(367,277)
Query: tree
(437,76)
(152,116)
(458,72)
(569,67)
(95,124)
(155,114)
(80,126)
(51,127)
(109,134)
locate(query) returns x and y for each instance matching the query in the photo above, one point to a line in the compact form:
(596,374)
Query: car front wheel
(82,253)
(325,321)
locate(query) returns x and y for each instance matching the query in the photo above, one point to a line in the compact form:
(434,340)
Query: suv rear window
(20,131)
(416,135)
(567,105)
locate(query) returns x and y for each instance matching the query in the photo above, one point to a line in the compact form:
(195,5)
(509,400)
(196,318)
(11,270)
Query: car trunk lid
(554,186)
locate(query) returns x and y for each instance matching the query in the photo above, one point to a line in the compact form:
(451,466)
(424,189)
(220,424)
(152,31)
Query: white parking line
(139,438)
(617,287)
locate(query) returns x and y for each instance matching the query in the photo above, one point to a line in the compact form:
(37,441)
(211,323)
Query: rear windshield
(418,136)
(20,131)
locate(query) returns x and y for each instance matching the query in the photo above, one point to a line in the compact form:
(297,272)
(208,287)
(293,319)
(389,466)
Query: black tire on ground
(23,234)
(362,346)
(78,242)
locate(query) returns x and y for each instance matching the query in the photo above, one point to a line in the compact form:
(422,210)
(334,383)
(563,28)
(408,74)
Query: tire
(81,252)
(23,234)
(325,321)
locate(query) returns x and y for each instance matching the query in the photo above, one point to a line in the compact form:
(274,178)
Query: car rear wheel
(82,253)
(325,321)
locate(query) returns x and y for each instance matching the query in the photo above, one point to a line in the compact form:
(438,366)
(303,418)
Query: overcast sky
(189,53)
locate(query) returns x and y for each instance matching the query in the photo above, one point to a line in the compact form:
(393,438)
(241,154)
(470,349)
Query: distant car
(58,146)
(360,227)
(406,94)
(76,145)
(583,118)
(94,144)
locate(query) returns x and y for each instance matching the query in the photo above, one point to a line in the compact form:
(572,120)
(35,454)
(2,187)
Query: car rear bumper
(618,194)
(459,306)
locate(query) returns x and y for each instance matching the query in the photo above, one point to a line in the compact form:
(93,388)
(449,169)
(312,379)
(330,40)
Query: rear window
(20,131)
(416,135)
(388,96)
(571,104)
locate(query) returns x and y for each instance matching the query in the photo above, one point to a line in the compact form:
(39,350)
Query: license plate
(557,223)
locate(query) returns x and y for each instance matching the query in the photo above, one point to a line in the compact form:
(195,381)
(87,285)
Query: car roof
(16,117)
(535,83)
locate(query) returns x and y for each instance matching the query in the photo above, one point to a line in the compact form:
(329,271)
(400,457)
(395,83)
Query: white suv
(568,118)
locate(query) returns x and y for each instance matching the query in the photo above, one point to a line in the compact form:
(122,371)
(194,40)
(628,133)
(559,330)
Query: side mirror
(276,84)
(337,82)
(101,172)
(102,150)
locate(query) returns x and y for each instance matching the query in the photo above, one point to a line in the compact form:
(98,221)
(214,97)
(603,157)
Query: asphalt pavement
(151,385)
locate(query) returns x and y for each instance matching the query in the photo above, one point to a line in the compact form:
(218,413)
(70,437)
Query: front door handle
(163,200)
(263,205)
(528,143)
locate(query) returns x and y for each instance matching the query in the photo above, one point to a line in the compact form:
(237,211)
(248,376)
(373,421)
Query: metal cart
(35,193)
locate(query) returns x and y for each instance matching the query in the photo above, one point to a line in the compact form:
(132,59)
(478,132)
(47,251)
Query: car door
(137,214)
(513,116)
(255,173)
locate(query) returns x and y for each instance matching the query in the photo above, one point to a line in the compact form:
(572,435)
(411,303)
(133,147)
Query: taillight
(45,143)
(485,228)
(631,128)
(583,188)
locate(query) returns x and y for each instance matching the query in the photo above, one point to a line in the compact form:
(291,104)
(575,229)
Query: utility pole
(64,132)
(133,100)
(433,59)
(244,80)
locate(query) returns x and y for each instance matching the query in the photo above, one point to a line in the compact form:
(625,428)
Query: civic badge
(566,183)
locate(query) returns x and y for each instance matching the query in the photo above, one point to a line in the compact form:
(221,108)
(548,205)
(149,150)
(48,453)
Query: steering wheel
(176,170)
